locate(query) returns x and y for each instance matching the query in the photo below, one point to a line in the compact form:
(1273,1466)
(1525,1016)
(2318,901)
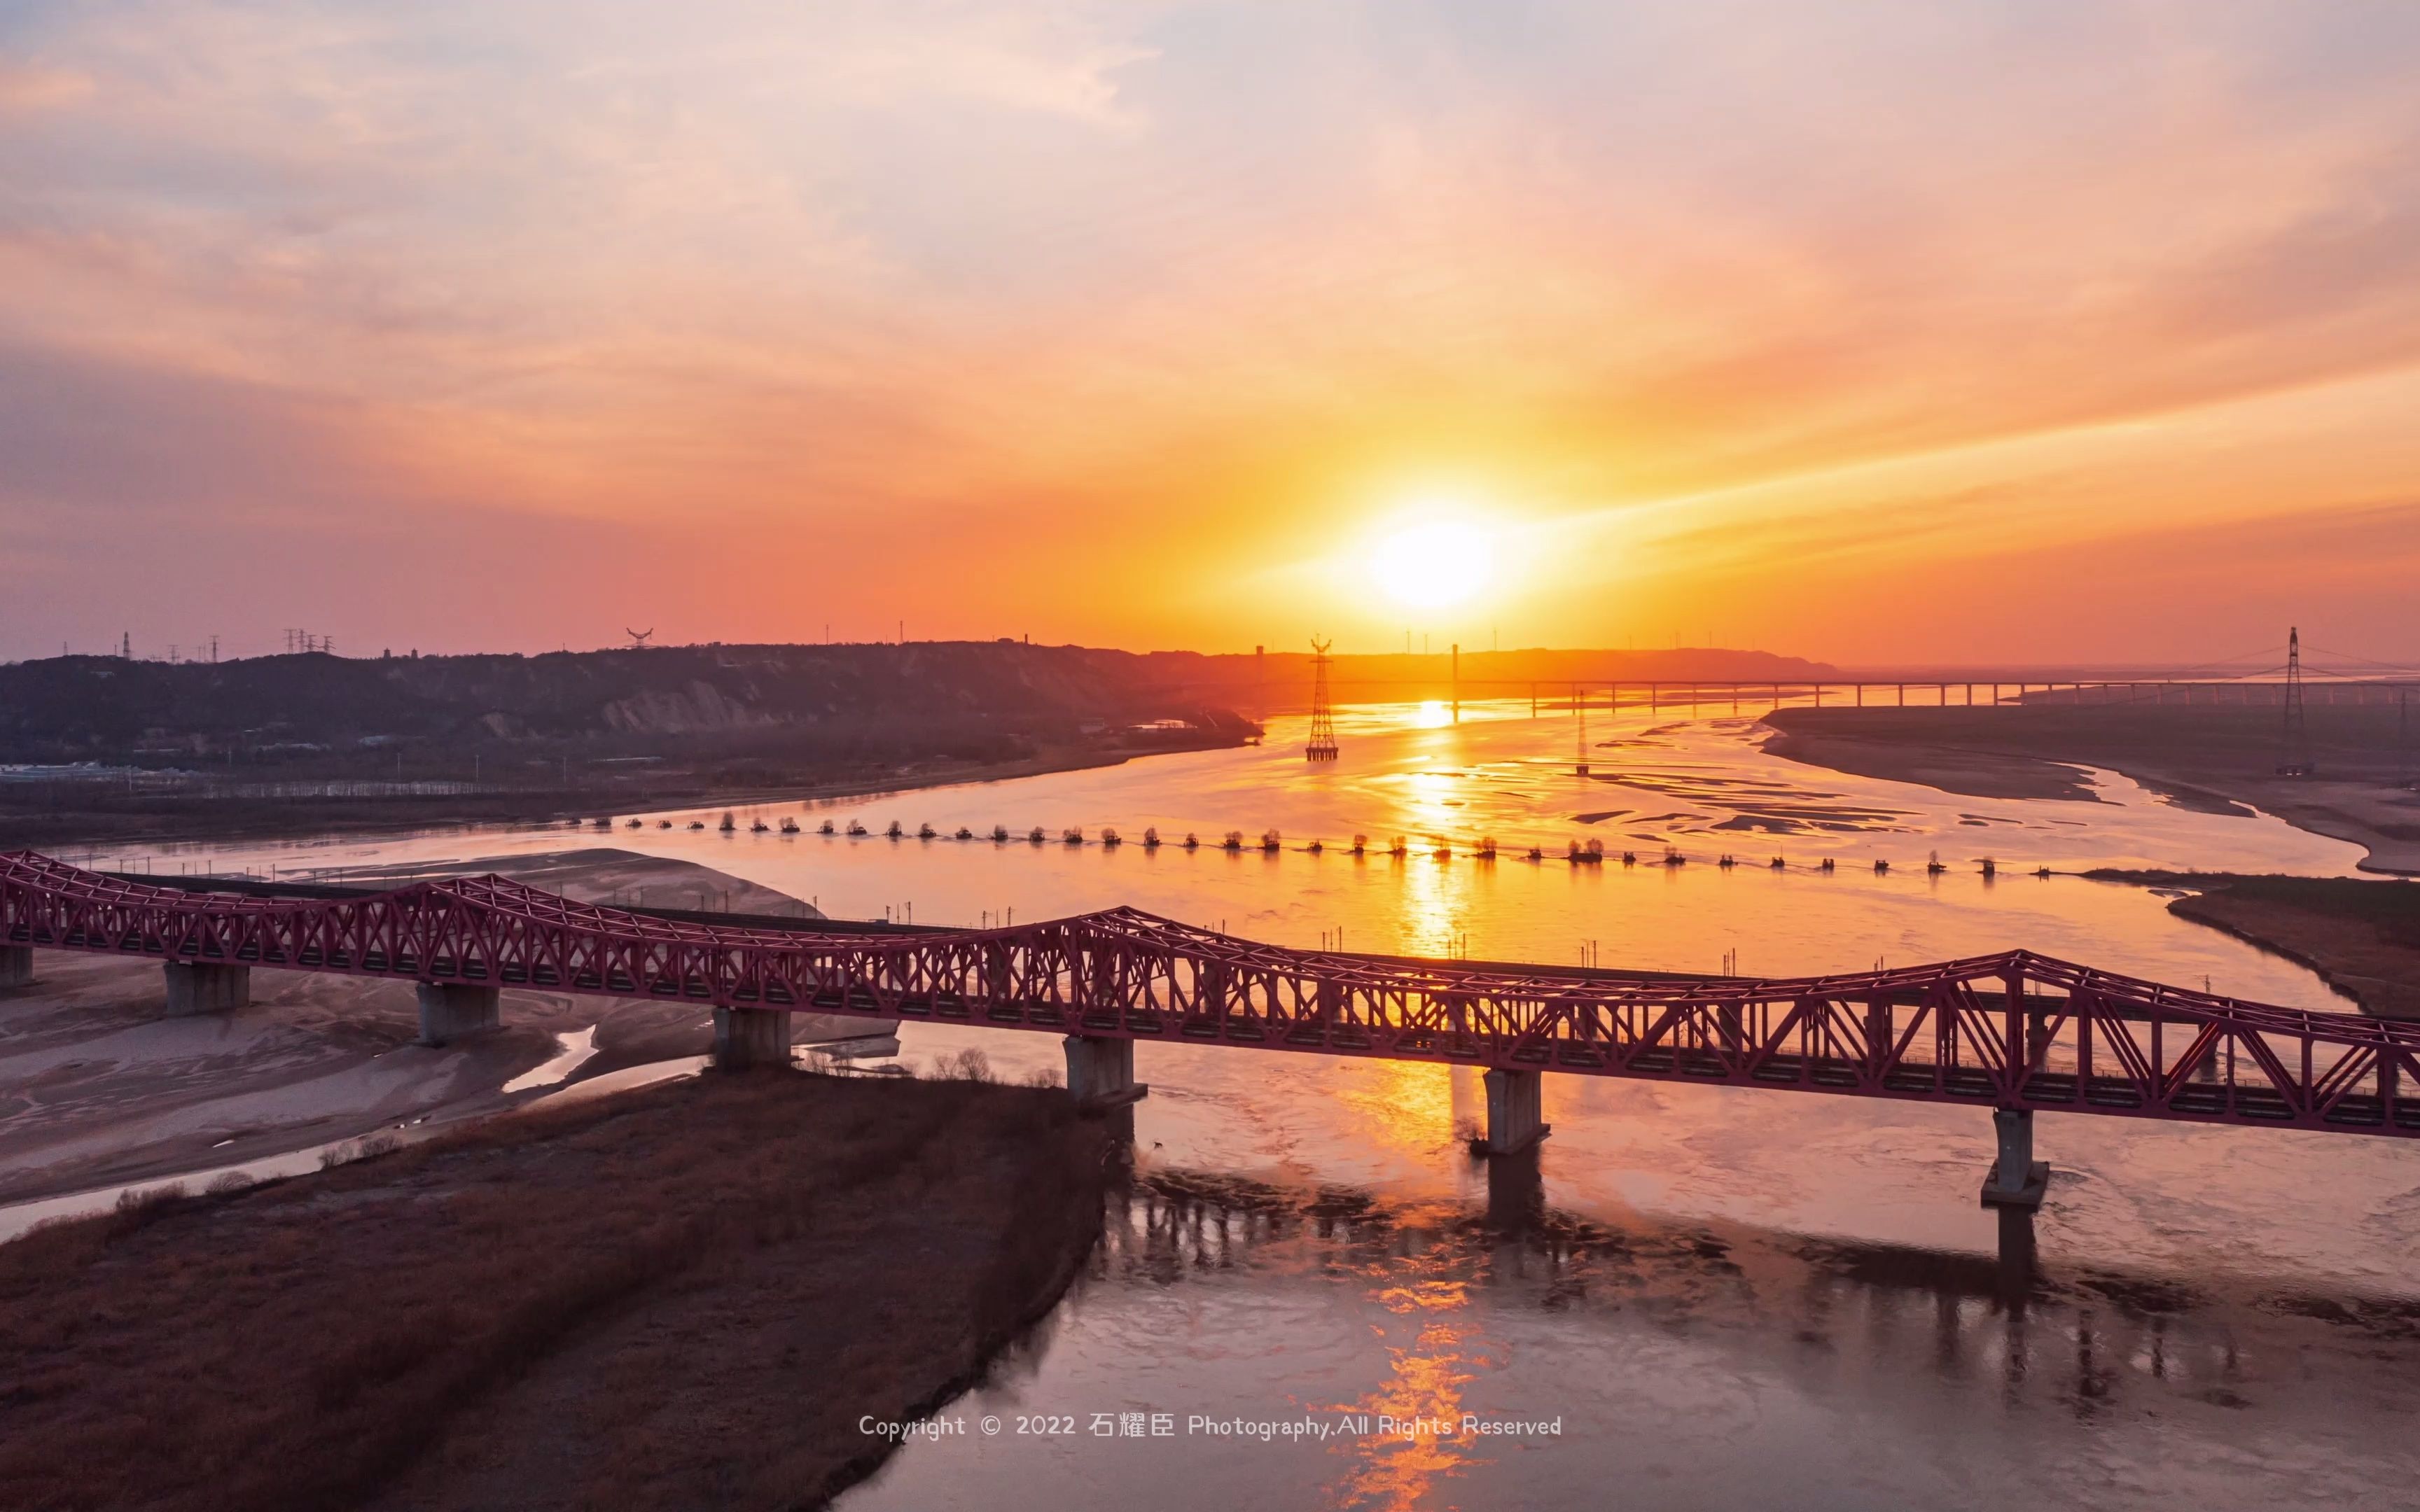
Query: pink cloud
(28,88)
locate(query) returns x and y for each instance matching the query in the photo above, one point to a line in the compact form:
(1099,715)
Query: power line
(2382,666)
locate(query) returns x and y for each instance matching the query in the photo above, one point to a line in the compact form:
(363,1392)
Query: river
(1709,1297)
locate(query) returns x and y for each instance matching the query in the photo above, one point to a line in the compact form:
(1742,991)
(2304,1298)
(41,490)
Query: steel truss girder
(2012,1030)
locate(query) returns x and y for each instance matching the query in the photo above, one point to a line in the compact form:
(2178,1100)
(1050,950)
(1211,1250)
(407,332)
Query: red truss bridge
(2015,1033)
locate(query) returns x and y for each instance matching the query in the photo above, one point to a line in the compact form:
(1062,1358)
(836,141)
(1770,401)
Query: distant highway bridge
(1742,694)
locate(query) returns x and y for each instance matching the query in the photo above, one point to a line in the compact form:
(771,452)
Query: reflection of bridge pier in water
(1793,1301)
(2016,1255)
(1516,1194)
(2013,1186)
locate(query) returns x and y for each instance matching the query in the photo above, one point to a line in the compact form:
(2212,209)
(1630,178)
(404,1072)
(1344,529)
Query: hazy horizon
(1478,663)
(1997,335)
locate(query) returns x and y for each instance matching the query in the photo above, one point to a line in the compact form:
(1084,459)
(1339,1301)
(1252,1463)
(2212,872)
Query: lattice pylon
(1321,747)
(2294,741)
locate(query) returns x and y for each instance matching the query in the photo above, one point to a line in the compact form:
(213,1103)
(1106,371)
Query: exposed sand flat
(2382,817)
(596,875)
(2210,759)
(1978,774)
(97,1088)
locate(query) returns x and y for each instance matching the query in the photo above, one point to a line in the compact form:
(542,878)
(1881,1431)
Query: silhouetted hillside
(97,748)
(98,708)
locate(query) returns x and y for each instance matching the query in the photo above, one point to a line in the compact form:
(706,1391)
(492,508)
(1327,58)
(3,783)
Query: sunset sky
(1961,330)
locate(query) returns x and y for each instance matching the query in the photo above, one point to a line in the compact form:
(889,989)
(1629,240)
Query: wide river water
(1717,1297)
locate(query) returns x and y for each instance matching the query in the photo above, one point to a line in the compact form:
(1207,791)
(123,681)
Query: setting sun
(1436,564)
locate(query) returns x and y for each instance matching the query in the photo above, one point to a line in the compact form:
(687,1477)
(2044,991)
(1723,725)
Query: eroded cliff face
(699,706)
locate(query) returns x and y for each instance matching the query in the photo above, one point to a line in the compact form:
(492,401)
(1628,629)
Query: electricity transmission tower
(2403,736)
(2294,746)
(1322,745)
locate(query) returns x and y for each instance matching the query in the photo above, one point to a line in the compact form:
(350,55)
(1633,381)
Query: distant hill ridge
(69,707)
(69,704)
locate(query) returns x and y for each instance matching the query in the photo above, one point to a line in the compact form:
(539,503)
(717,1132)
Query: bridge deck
(2014,1030)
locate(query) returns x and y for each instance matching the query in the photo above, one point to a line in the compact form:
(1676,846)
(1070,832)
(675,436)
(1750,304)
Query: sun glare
(1435,564)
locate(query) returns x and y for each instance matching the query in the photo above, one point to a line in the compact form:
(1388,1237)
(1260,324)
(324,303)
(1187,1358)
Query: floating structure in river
(1485,848)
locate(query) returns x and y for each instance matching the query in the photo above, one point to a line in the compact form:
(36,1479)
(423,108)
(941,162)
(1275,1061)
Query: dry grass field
(680,1297)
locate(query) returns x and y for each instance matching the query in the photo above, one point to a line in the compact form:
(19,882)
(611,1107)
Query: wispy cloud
(1177,290)
(25,88)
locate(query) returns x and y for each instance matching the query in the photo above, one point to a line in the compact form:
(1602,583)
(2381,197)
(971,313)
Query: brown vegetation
(2362,938)
(682,1297)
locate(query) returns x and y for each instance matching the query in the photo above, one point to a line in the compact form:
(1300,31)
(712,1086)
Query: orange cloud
(1177,301)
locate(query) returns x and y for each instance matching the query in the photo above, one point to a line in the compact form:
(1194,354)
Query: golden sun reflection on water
(1431,714)
(1434,916)
(1398,1466)
(1432,804)
(1403,1105)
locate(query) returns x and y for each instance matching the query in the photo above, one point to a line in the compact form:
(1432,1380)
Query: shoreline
(2361,938)
(205,824)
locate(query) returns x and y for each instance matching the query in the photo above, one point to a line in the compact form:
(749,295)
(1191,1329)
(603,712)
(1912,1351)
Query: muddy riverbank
(687,1296)
(2363,939)
(2218,761)
(1979,773)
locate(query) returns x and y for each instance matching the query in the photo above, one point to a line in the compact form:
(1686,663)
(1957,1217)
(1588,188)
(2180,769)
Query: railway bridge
(2013,1034)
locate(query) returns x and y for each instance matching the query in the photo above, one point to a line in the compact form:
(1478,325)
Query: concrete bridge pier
(450,1011)
(16,966)
(746,1037)
(1516,1117)
(2015,1188)
(1100,1072)
(201,987)
(2016,1179)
